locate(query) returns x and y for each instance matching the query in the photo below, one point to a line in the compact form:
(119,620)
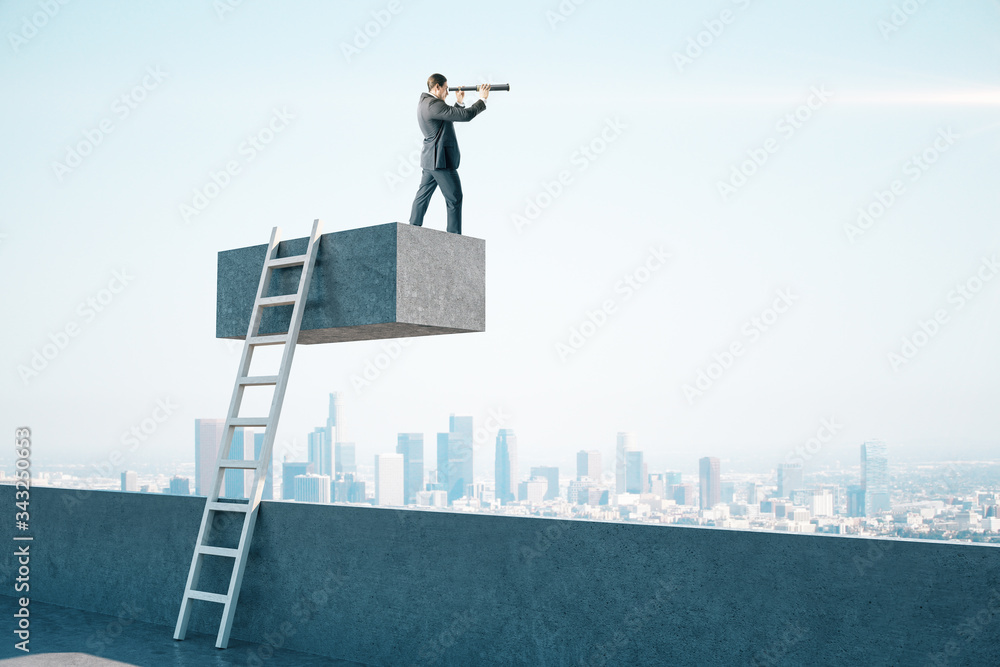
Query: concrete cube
(385,281)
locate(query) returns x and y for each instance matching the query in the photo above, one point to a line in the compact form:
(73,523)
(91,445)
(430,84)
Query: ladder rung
(218,551)
(259,379)
(280,300)
(249,421)
(237,463)
(294,260)
(229,507)
(208,597)
(276,339)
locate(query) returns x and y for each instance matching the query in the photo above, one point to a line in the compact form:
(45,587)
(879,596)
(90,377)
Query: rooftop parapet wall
(386,281)
(400,587)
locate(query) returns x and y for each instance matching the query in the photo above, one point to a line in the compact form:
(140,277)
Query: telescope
(493,87)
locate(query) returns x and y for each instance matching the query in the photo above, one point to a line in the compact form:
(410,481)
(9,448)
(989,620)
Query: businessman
(440,156)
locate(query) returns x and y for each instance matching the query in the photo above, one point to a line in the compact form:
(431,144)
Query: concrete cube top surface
(385,281)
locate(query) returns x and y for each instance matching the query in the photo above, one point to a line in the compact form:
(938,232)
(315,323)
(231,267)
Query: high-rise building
(454,457)
(532,490)
(505,472)
(346,488)
(389,479)
(626,443)
(319,450)
(239,482)
(311,488)
(673,477)
(789,479)
(180,486)
(753,493)
(411,446)
(684,494)
(855,501)
(820,502)
(551,475)
(207,439)
(711,489)
(875,477)
(289,471)
(727,493)
(345,458)
(130,481)
(636,473)
(588,464)
(258,446)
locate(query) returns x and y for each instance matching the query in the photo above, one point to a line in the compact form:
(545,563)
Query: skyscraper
(239,482)
(411,446)
(180,486)
(708,469)
(258,446)
(789,479)
(345,458)
(343,451)
(207,439)
(454,457)
(289,471)
(312,488)
(551,475)
(636,474)
(505,471)
(626,443)
(130,481)
(389,479)
(875,477)
(588,464)
(319,450)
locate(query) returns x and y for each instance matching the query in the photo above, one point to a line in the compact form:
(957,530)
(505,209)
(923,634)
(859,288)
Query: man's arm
(440,110)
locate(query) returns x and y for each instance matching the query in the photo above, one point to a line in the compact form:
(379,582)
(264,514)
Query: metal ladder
(233,421)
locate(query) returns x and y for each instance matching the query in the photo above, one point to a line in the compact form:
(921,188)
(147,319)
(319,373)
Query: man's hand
(459,96)
(484,90)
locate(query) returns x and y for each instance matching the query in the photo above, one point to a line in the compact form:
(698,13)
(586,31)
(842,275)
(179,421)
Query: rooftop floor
(65,637)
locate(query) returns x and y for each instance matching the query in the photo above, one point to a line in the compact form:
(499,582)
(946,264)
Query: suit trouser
(451,188)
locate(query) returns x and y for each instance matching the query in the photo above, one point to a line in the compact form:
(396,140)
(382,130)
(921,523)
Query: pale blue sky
(682,130)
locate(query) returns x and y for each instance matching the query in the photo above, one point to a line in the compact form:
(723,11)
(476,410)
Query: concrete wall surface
(384,281)
(401,587)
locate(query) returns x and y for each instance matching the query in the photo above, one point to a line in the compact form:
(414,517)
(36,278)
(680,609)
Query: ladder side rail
(250,520)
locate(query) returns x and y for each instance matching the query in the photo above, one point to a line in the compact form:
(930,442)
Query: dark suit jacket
(436,119)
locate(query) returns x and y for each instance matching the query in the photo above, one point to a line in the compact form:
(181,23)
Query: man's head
(437,85)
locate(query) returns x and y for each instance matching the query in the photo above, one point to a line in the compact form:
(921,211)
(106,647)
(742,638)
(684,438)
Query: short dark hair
(436,80)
